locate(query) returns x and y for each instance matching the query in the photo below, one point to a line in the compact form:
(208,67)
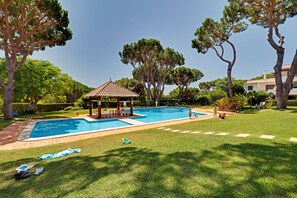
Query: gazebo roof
(110,89)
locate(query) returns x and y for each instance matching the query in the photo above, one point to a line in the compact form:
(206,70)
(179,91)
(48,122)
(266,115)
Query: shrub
(52,107)
(216,95)
(290,103)
(203,101)
(21,108)
(230,104)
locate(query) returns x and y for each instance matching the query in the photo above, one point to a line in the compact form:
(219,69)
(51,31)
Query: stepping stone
(222,134)
(267,136)
(175,130)
(168,129)
(196,132)
(208,133)
(242,135)
(161,128)
(292,139)
(185,131)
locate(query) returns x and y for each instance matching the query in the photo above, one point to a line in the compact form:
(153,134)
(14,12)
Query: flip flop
(22,175)
(38,170)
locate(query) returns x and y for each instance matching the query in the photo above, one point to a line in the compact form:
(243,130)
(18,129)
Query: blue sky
(102,27)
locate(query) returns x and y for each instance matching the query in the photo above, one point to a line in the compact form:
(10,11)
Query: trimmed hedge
(290,103)
(24,108)
(52,107)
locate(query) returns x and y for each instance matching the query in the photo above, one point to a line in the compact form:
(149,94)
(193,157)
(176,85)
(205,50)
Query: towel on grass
(60,154)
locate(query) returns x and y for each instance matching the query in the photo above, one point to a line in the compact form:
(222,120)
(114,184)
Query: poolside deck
(8,136)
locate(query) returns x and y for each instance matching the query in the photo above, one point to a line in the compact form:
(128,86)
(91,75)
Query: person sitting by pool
(222,116)
(195,115)
(190,113)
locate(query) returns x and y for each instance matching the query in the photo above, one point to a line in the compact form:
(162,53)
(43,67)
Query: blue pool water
(162,114)
(70,126)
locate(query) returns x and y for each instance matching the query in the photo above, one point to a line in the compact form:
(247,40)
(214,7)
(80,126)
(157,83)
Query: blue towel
(60,154)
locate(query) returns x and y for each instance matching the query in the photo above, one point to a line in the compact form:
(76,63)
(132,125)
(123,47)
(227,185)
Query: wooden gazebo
(110,89)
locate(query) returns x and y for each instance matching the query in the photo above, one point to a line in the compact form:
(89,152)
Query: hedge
(52,107)
(24,108)
(290,103)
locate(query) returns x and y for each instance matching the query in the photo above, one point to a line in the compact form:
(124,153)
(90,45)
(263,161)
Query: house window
(269,87)
(250,88)
(294,86)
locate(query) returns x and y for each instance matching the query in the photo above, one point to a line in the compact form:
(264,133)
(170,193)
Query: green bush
(216,95)
(290,103)
(230,104)
(21,108)
(52,107)
(203,101)
(25,108)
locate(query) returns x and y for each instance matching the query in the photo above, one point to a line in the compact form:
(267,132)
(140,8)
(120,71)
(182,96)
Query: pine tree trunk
(230,84)
(282,101)
(281,98)
(8,97)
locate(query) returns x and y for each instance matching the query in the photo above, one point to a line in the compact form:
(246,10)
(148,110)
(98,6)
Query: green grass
(165,164)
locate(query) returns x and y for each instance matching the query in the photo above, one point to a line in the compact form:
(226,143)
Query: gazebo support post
(131,106)
(118,103)
(90,106)
(99,107)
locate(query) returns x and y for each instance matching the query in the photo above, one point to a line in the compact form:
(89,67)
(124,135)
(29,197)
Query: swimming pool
(72,126)
(64,127)
(158,114)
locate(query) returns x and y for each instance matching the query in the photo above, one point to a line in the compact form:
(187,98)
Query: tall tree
(183,77)
(213,35)
(169,60)
(36,79)
(27,26)
(143,55)
(133,85)
(271,14)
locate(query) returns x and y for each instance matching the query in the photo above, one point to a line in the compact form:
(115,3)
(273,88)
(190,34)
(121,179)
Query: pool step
(131,121)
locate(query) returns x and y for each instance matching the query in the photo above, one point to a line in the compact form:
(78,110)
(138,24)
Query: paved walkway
(8,136)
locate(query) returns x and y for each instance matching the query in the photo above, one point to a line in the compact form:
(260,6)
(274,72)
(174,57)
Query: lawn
(165,164)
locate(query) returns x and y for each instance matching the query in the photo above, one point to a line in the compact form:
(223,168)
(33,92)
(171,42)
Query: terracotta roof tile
(110,89)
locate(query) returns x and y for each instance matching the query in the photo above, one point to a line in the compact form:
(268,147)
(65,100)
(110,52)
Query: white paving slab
(134,122)
(175,130)
(208,133)
(242,135)
(293,139)
(267,136)
(196,132)
(185,131)
(222,134)
(168,129)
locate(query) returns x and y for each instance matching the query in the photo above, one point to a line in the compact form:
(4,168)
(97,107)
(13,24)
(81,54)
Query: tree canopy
(39,80)
(27,26)
(183,77)
(152,64)
(271,14)
(213,35)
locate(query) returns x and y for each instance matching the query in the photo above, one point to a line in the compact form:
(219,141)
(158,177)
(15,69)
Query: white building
(268,84)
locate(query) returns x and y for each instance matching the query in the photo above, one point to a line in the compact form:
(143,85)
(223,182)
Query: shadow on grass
(244,170)
(293,110)
(249,111)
